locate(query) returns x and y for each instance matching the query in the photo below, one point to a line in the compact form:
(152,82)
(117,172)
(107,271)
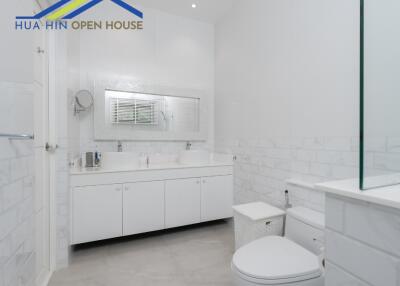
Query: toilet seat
(275,260)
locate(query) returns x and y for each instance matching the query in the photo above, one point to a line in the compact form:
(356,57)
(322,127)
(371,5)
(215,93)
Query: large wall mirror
(380,93)
(126,114)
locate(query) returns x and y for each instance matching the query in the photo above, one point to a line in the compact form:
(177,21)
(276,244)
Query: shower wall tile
(387,161)
(344,172)
(17,226)
(4,173)
(263,166)
(393,144)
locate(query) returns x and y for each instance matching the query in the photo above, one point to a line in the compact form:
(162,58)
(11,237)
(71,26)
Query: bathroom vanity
(114,202)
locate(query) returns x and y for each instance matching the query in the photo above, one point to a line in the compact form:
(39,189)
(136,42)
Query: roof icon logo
(68,9)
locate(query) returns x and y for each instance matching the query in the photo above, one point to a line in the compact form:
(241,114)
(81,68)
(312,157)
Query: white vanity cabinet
(190,201)
(216,197)
(182,202)
(143,209)
(96,213)
(113,204)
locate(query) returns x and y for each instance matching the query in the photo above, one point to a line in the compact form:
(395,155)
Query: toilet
(292,260)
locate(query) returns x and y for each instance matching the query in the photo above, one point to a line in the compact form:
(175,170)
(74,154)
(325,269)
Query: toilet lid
(276,258)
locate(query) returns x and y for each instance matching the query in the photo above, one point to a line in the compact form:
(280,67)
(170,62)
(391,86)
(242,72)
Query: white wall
(171,52)
(287,93)
(17,193)
(16,57)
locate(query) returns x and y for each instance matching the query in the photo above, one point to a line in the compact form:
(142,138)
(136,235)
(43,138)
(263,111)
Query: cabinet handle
(204,181)
(118,189)
(197,182)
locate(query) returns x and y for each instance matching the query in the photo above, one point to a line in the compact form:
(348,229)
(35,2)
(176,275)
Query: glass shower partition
(380,93)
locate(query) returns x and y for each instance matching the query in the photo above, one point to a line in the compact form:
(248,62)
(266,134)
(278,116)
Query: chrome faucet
(188,145)
(119,146)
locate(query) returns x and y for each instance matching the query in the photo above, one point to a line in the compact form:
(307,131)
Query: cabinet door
(216,197)
(143,207)
(182,202)
(96,213)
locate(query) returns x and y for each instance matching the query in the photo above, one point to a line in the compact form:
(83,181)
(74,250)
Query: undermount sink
(119,160)
(190,157)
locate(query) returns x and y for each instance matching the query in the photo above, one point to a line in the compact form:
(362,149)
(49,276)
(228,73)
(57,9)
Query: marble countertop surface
(152,167)
(386,196)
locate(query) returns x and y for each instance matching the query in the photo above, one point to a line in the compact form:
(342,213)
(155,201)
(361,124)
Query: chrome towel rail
(17,136)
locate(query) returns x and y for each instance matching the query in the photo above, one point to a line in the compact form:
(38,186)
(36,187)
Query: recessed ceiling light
(194,5)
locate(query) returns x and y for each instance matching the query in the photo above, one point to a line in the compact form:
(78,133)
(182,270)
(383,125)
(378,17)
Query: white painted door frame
(53,144)
(45,133)
(42,159)
(46,136)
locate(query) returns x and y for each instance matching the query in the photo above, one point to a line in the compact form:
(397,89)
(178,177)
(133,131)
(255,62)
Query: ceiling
(209,11)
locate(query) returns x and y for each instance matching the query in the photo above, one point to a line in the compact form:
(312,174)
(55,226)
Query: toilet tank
(306,227)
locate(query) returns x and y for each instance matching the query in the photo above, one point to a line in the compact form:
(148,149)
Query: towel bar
(17,136)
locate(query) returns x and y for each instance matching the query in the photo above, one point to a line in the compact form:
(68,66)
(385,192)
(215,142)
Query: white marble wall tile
(301,167)
(306,155)
(16,186)
(344,172)
(393,144)
(313,143)
(28,186)
(375,144)
(12,194)
(362,245)
(301,196)
(19,168)
(387,161)
(335,210)
(8,221)
(4,172)
(10,272)
(374,226)
(311,159)
(336,276)
(337,143)
(1,277)
(27,271)
(378,268)
(322,170)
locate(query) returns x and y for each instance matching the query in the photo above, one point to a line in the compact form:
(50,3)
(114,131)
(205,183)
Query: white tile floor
(197,255)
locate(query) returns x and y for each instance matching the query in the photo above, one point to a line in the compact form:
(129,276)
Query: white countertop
(385,196)
(165,166)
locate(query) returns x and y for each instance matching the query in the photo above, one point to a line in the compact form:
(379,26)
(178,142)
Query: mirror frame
(104,132)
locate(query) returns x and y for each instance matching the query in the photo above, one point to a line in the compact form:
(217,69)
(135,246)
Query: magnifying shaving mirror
(83,101)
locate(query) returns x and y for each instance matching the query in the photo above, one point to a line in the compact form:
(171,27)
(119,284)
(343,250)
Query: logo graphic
(56,16)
